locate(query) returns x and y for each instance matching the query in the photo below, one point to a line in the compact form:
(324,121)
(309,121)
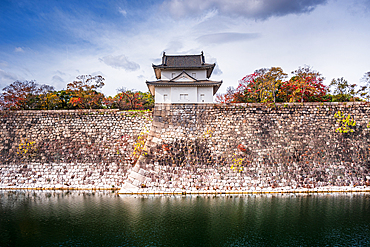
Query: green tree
(341,90)
(64,97)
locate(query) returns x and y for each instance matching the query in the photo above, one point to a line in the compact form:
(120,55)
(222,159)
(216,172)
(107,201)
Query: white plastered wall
(160,93)
(191,93)
(205,95)
(200,74)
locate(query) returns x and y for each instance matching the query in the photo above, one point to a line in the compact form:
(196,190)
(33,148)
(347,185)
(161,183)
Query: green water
(105,219)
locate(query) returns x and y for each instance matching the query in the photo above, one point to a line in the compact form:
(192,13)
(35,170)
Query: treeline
(80,94)
(306,85)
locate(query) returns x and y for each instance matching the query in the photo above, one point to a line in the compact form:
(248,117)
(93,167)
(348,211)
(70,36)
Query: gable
(183,76)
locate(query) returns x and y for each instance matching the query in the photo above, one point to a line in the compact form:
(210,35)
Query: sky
(52,42)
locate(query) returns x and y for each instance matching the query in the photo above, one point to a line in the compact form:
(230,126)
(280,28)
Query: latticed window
(184,96)
(202,97)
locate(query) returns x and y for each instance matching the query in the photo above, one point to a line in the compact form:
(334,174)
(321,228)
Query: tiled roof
(183,61)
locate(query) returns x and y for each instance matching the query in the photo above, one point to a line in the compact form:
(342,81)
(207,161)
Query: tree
(227,97)
(23,95)
(83,92)
(366,79)
(273,79)
(341,92)
(64,97)
(357,92)
(49,101)
(261,86)
(130,100)
(345,92)
(248,90)
(147,100)
(305,85)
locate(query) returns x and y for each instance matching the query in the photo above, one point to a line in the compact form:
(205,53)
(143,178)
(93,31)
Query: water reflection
(102,218)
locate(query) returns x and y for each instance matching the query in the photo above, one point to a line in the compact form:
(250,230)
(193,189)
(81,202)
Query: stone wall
(203,146)
(83,136)
(77,148)
(63,175)
(239,145)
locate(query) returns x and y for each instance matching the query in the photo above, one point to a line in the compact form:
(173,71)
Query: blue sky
(52,42)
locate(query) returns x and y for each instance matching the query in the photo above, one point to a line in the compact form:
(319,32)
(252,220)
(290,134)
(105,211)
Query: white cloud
(122,11)
(57,79)
(120,62)
(252,9)
(60,73)
(18,49)
(226,37)
(7,78)
(209,59)
(217,70)
(174,46)
(329,39)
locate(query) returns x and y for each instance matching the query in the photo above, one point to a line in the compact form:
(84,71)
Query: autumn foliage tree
(80,94)
(270,86)
(227,97)
(23,95)
(269,81)
(262,86)
(130,100)
(306,85)
(83,92)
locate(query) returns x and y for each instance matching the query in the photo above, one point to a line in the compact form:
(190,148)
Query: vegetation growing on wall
(139,146)
(26,150)
(346,122)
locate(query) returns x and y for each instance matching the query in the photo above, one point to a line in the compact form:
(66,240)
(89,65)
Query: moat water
(29,218)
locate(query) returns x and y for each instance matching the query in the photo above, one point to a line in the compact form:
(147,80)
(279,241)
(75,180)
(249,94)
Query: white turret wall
(197,74)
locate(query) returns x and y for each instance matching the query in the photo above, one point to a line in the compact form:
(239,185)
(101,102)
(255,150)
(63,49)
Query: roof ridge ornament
(163,58)
(202,57)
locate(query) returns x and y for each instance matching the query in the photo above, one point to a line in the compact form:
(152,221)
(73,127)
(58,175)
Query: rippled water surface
(104,219)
